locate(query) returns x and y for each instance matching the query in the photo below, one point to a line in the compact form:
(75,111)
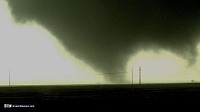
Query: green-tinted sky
(105,33)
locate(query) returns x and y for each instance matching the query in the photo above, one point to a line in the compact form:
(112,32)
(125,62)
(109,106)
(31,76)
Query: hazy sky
(113,36)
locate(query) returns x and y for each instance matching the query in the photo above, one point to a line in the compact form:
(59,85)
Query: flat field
(100,96)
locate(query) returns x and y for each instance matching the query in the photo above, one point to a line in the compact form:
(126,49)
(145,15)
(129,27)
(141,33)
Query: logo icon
(7,105)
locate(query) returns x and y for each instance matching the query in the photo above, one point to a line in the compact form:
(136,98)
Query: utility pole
(139,75)
(132,75)
(9,77)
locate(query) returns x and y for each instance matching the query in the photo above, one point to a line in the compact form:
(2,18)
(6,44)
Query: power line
(114,72)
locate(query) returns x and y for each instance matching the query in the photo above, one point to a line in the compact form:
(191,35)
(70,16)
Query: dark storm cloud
(104,33)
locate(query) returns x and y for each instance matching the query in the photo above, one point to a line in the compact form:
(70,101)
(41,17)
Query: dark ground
(100,97)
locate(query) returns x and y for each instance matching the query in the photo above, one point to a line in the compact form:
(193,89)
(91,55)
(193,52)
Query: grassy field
(99,95)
